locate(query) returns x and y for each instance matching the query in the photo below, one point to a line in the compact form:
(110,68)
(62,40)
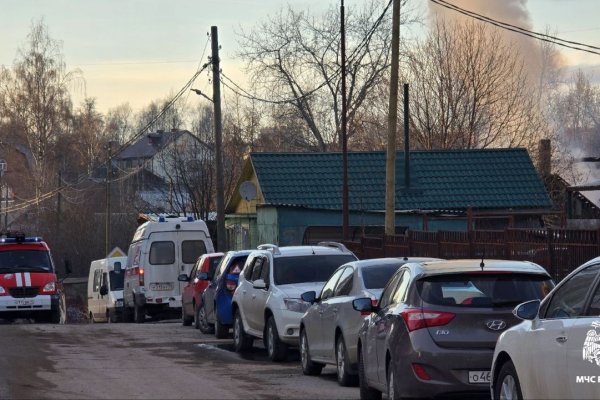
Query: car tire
(366,392)
(112,316)
(344,377)
(127,314)
(91,319)
(309,367)
(203,324)
(185,320)
(276,349)
(59,314)
(507,383)
(392,385)
(241,340)
(139,314)
(221,330)
(196,320)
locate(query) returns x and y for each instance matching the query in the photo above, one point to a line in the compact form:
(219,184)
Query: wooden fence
(558,250)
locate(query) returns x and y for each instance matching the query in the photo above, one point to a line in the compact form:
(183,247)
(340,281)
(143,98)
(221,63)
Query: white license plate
(24,302)
(480,377)
(161,286)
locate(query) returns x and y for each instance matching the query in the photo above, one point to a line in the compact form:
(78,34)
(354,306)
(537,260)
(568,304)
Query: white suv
(267,304)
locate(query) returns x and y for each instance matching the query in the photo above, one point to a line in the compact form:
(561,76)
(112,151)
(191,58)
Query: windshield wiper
(30,268)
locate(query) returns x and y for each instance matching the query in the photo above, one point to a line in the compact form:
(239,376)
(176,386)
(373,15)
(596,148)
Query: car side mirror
(364,305)
(259,284)
(528,310)
(309,297)
(202,276)
(183,278)
(103,290)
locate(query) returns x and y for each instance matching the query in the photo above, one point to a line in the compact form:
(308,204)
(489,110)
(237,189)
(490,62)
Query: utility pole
(58,201)
(108,208)
(345,206)
(218,138)
(2,171)
(390,175)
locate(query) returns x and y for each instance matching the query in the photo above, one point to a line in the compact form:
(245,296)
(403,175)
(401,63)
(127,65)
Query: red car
(191,294)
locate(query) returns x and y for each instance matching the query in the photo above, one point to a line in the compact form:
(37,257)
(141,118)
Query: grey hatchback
(435,327)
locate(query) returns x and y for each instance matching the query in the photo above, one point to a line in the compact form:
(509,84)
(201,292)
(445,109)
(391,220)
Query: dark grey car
(435,327)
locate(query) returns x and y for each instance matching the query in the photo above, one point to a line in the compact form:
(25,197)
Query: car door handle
(561,339)
(244,291)
(335,310)
(253,296)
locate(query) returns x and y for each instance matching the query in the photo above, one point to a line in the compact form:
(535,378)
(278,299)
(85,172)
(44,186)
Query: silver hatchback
(329,328)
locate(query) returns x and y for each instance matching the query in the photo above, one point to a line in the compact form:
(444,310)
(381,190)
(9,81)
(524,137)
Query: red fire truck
(29,287)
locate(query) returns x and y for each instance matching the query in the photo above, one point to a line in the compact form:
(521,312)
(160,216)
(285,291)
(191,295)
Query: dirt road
(162,360)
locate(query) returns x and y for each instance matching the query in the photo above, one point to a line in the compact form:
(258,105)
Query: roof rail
(335,245)
(268,246)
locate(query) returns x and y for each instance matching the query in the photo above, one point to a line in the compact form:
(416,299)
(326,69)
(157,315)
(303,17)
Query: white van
(159,252)
(105,289)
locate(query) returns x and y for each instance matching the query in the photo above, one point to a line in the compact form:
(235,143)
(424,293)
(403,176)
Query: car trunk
(467,310)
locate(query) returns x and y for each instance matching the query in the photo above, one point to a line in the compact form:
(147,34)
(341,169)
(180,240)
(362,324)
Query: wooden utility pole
(390,175)
(108,205)
(218,138)
(345,206)
(58,201)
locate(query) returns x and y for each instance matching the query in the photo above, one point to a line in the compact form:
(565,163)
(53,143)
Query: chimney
(545,159)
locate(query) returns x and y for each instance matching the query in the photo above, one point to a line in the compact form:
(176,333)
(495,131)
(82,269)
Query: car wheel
(344,377)
(276,349)
(59,315)
(185,320)
(139,314)
(507,385)
(203,324)
(221,330)
(309,367)
(392,392)
(196,319)
(127,314)
(241,340)
(91,319)
(366,392)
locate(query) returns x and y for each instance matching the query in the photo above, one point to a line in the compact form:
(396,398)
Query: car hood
(294,290)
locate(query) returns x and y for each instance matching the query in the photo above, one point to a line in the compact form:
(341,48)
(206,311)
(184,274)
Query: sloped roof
(440,180)
(143,147)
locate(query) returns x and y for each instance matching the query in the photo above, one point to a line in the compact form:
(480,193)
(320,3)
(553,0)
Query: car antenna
(482,264)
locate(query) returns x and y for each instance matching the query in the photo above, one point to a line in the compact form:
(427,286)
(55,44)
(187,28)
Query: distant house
(294,198)
(160,165)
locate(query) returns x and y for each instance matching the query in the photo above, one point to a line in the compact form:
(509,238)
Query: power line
(526,32)
(364,42)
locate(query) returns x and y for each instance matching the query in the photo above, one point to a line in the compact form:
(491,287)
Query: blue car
(215,313)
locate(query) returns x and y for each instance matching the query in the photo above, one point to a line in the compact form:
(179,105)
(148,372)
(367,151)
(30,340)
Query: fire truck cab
(29,287)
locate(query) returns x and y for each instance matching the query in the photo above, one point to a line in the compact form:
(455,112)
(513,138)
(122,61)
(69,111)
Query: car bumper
(288,326)
(447,368)
(37,303)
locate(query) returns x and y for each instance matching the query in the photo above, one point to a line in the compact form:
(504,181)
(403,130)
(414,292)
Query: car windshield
(376,276)
(311,268)
(25,261)
(116,279)
(483,290)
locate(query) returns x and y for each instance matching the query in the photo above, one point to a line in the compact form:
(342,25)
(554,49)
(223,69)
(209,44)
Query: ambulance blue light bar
(35,239)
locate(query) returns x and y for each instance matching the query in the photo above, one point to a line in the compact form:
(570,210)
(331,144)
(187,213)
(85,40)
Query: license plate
(480,377)
(24,302)
(161,286)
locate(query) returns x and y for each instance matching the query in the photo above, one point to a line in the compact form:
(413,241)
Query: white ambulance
(159,252)
(105,289)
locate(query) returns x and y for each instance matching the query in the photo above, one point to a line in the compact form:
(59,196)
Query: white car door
(553,336)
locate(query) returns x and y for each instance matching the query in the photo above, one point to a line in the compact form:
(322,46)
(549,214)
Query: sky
(136,51)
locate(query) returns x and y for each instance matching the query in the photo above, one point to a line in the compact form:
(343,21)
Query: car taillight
(418,319)
(230,285)
(141,276)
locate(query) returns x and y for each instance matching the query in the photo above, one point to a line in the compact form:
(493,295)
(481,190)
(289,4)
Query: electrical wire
(504,25)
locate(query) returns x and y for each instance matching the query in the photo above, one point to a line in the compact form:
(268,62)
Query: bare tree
(294,58)
(469,90)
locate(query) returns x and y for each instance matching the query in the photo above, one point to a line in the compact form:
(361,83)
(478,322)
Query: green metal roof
(439,180)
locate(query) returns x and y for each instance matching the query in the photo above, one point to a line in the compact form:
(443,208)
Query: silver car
(329,328)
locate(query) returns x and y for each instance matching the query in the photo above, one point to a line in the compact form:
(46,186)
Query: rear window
(312,268)
(162,253)
(25,261)
(376,276)
(483,290)
(191,250)
(116,279)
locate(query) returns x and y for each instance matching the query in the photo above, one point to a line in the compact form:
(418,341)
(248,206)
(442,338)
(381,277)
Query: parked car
(329,329)
(105,289)
(191,294)
(434,329)
(267,304)
(555,352)
(215,312)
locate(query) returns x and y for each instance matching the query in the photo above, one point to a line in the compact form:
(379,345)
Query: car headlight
(49,287)
(296,305)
